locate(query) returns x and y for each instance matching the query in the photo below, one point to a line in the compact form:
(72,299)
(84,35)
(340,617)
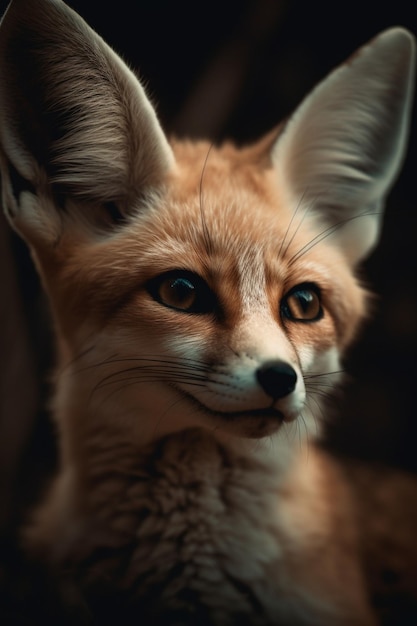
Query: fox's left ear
(341,151)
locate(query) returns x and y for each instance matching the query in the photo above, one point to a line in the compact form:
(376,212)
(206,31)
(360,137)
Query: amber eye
(302,304)
(182,290)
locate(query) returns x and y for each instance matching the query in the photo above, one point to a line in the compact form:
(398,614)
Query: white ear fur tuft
(340,152)
(73,117)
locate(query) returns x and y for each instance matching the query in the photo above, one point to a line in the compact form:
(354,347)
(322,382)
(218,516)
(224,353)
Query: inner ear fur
(341,151)
(72,115)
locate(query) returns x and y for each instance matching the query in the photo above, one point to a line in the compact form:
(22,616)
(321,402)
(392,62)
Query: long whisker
(167,371)
(283,253)
(112,393)
(192,363)
(322,393)
(319,386)
(206,233)
(76,358)
(327,232)
(322,374)
(150,377)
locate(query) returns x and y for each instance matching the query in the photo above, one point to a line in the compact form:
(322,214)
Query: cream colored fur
(186,485)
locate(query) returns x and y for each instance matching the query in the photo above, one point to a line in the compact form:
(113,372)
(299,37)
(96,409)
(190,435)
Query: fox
(203,298)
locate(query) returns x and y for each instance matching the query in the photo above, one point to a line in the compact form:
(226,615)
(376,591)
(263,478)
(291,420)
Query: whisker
(332,373)
(126,384)
(323,395)
(148,375)
(206,233)
(280,253)
(117,390)
(313,385)
(324,234)
(186,363)
(78,357)
(105,361)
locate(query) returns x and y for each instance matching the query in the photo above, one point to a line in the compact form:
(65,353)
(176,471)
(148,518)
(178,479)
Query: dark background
(230,68)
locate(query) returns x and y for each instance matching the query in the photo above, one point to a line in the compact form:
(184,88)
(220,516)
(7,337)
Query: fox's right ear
(76,128)
(340,152)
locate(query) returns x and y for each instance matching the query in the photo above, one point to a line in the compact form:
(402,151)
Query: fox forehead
(224,215)
(219,216)
(216,204)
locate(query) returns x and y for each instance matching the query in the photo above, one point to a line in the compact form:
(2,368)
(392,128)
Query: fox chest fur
(194,532)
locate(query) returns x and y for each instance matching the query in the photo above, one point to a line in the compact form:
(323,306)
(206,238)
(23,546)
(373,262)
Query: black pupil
(182,289)
(305,299)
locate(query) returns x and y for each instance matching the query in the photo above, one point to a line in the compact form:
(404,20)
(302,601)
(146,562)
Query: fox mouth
(269,412)
(254,422)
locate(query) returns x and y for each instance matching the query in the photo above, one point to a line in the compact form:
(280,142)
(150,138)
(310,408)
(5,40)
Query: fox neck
(106,499)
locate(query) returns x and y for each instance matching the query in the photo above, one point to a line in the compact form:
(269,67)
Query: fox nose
(277,378)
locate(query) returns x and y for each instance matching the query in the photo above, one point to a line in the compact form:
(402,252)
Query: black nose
(277,378)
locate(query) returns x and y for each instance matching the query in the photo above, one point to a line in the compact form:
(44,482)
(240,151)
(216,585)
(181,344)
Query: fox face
(193,285)
(217,312)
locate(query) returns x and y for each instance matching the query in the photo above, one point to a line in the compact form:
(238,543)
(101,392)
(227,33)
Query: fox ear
(340,152)
(75,123)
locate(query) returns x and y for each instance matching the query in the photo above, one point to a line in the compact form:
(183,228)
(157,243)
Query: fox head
(192,285)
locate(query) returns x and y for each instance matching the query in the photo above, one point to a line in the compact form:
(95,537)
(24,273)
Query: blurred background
(230,68)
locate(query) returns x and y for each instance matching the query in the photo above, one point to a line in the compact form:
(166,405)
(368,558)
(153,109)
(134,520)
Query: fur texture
(203,298)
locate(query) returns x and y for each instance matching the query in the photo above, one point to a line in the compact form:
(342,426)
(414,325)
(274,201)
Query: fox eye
(302,304)
(183,291)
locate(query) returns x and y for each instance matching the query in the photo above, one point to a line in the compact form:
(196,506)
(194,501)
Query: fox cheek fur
(203,297)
